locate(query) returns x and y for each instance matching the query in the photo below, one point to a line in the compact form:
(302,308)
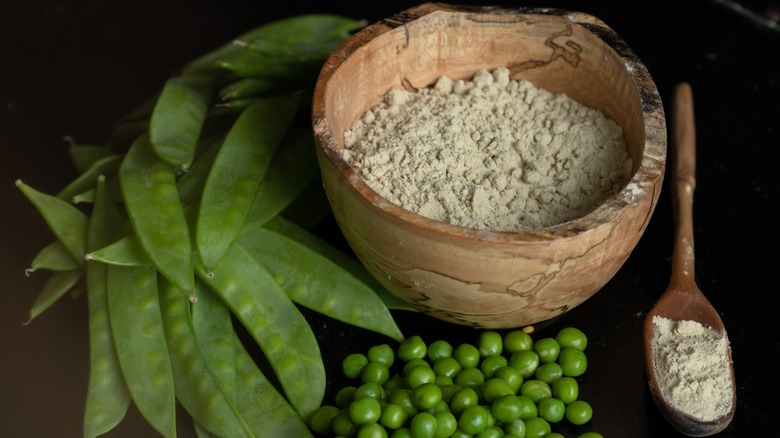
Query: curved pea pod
(107,395)
(66,221)
(137,329)
(315,282)
(347,262)
(126,251)
(190,184)
(178,116)
(54,257)
(58,284)
(197,387)
(107,165)
(275,323)
(84,155)
(236,174)
(253,87)
(157,216)
(292,168)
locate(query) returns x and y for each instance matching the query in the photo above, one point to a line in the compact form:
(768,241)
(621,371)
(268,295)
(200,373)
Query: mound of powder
(491,153)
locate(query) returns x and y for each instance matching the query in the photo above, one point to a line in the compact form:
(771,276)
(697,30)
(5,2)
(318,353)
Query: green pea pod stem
(178,116)
(292,169)
(58,284)
(315,282)
(54,257)
(275,323)
(108,397)
(346,261)
(157,216)
(107,165)
(137,328)
(66,221)
(236,174)
(84,156)
(197,388)
(126,251)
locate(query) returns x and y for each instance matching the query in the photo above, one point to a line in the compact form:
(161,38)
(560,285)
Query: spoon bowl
(683,300)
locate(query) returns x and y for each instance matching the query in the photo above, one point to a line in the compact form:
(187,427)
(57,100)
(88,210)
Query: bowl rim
(648,176)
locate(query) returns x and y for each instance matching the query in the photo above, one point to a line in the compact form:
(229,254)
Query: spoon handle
(683,184)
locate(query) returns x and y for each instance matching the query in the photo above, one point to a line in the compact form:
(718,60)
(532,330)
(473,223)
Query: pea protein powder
(491,153)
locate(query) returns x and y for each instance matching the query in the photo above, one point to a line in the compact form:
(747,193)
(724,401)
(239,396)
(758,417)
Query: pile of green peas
(504,385)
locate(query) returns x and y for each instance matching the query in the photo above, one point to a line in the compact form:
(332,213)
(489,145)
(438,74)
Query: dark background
(72,68)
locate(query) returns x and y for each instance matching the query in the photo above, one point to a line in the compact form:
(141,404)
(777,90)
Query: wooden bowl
(482,278)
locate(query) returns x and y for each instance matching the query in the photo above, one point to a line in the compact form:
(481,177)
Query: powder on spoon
(693,368)
(491,153)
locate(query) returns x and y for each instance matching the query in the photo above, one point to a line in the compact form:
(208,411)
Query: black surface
(71,68)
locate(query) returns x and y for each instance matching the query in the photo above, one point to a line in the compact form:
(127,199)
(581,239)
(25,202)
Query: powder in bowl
(492,153)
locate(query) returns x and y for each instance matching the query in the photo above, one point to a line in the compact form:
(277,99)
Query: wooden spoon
(683,300)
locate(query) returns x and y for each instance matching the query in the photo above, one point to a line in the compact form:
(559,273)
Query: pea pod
(107,165)
(238,170)
(292,168)
(196,385)
(126,251)
(58,284)
(190,184)
(157,216)
(315,282)
(54,257)
(178,115)
(310,207)
(137,328)
(84,156)
(66,221)
(252,87)
(107,395)
(275,324)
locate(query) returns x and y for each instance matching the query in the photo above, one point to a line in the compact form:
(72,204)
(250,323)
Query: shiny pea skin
(511,376)
(439,349)
(552,409)
(412,347)
(446,366)
(572,337)
(517,340)
(536,390)
(352,365)
(491,363)
(467,355)
(579,412)
(473,419)
(321,420)
(372,430)
(376,372)
(381,353)
(426,396)
(548,349)
(393,416)
(446,424)
(565,389)
(549,372)
(537,427)
(365,410)
(423,425)
(525,361)
(490,343)
(573,362)
(494,389)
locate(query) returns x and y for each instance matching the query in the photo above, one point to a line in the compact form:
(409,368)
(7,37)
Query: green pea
(463,399)
(491,432)
(412,347)
(352,365)
(54,257)
(565,389)
(446,366)
(552,409)
(528,408)
(474,419)
(579,412)
(555,435)
(423,425)
(467,355)
(393,383)
(259,304)
(426,396)
(238,170)
(517,340)
(443,381)
(393,416)
(536,390)
(525,361)
(156,214)
(494,389)
(365,410)
(369,389)
(511,376)
(470,378)
(376,372)
(382,353)
(55,287)
(373,430)
(68,223)
(355,304)
(107,394)
(506,408)
(414,363)
(573,362)
(490,343)
(178,116)
(419,375)
(439,349)
(572,337)
(137,328)
(403,398)
(321,420)
(515,428)
(343,425)
(403,432)
(537,427)
(548,349)
(549,372)
(446,424)
(447,391)
(344,396)
(590,435)
(491,364)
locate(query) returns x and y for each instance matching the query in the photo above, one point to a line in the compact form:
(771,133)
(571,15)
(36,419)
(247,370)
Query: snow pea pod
(252,87)
(66,221)
(292,168)
(107,395)
(54,257)
(84,155)
(197,388)
(157,216)
(315,282)
(58,284)
(190,184)
(137,328)
(178,116)
(107,165)
(238,170)
(275,323)
(126,251)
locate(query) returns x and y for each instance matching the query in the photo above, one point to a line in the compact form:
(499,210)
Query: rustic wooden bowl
(481,278)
